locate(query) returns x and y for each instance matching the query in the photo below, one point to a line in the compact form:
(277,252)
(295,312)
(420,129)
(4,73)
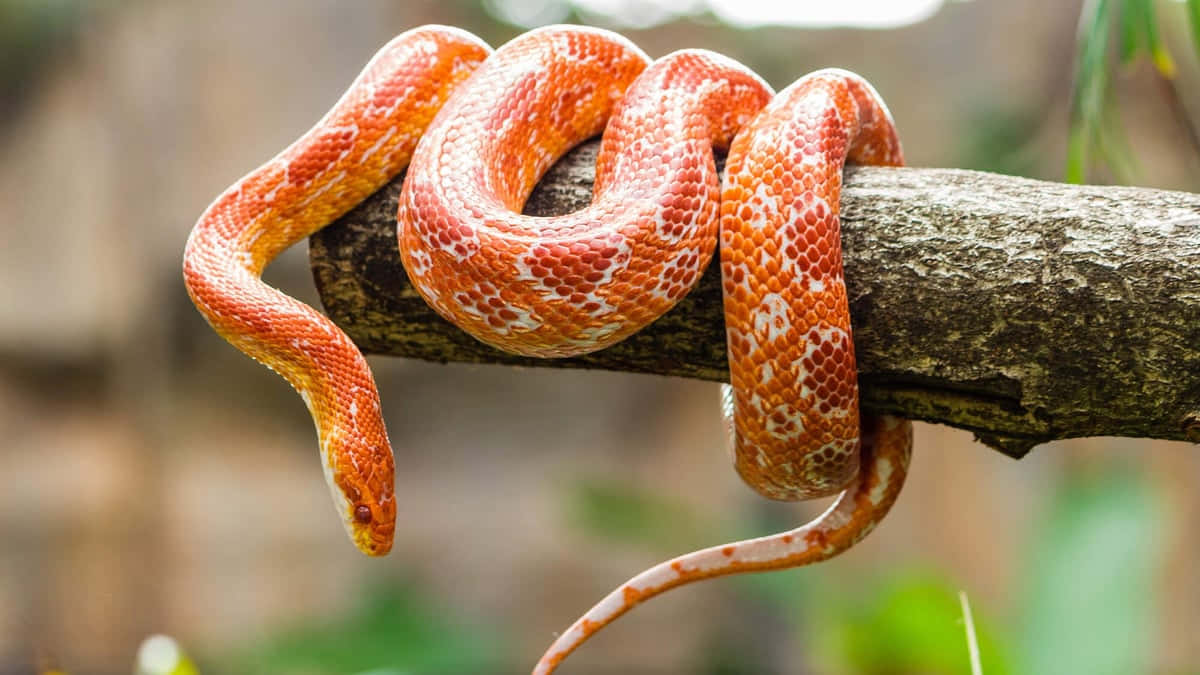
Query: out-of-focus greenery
(396,630)
(30,31)
(618,511)
(1193,12)
(1091,605)
(998,140)
(1095,122)
(891,622)
(908,621)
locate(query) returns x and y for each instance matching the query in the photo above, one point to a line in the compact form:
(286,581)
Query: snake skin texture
(362,143)
(476,132)
(566,285)
(791,407)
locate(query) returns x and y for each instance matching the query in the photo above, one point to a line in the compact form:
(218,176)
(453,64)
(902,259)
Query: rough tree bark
(1021,310)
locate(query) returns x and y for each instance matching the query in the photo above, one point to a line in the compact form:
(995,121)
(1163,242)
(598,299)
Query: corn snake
(476,130)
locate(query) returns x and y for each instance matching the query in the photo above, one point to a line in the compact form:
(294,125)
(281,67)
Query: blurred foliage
(1091,600)
(1193,12)
(909,621)
(1090,575)
(998,140)
(615,510)
(896,622)
(1095,124)
(30,32)
(395,631)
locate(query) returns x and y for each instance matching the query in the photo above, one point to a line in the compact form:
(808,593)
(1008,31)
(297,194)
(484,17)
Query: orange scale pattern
(792,404)
(363,142)
(582,281)
(479,131)
(795,404)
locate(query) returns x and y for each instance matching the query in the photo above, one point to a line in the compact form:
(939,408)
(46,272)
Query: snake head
(365,501)
(371,524)
(359,469)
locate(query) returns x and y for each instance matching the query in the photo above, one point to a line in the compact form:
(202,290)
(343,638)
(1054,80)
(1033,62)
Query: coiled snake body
(479,130)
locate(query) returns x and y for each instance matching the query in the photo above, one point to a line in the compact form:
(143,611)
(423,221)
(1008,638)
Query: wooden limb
(1021,310)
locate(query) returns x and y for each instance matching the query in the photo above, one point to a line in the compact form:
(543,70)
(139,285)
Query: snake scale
(476,129)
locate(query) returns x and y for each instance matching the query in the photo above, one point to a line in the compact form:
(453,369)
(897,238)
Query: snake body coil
(480,130)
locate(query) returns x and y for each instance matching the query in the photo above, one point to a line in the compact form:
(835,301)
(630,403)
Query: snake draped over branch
(476,129)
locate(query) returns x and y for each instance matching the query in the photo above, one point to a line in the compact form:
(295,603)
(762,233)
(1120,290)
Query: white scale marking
(316,194)
(771,317)
(378,144)
(883,468)
(791,415)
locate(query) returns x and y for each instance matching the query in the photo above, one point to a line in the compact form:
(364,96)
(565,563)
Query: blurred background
(155,480)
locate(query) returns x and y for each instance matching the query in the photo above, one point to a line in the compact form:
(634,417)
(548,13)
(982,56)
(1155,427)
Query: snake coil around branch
(475,131)
(1024,311)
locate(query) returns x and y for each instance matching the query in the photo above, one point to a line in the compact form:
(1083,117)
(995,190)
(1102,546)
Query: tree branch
(1021,310)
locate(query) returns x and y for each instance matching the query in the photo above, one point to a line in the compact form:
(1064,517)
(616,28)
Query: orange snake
(476,131)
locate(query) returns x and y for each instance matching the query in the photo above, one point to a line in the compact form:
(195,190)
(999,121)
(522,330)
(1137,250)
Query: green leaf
(1193,12)
(1139,29)
(1091,83)
(1076,156)
(1090,606)
(1131,28)
(1154,44)
(912,622)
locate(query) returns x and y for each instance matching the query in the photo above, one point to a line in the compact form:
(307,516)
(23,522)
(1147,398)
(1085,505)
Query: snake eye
(362,514)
